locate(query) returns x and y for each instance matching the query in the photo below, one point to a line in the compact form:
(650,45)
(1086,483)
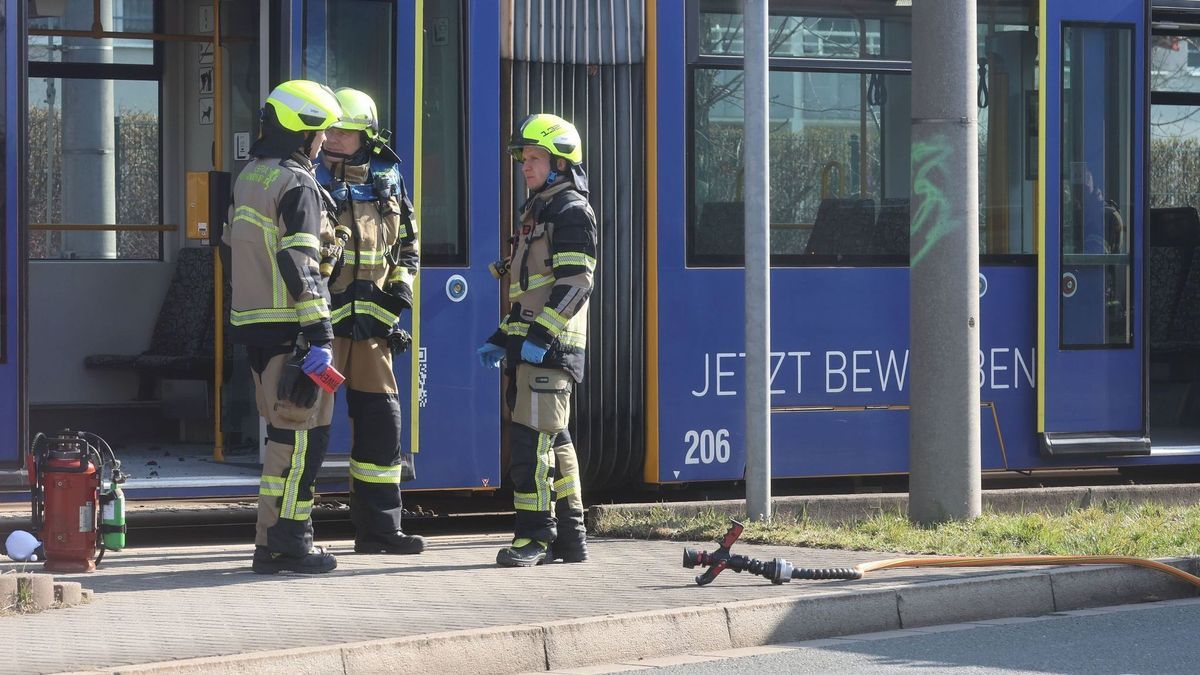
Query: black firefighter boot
(571,544)
(375,509)
(396,542)
(290,549)
(522,553)
(316,561)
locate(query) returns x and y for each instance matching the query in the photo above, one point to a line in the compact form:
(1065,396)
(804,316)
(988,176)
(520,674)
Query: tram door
(10,292)
(444,54)
(1091,338)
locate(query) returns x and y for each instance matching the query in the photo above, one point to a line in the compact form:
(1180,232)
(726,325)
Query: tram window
(839,167)
(821,58)
(443,165)
(810,29)
(91,166)
(1174,156)
(1096,169)
(1175,121)
(118,16)
(345,46)
(1008,138)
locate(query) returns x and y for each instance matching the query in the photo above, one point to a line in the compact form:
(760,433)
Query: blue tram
(120,117)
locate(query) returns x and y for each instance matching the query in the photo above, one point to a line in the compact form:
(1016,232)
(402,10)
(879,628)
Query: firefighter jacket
(550,279)
(373,283)
(278,217)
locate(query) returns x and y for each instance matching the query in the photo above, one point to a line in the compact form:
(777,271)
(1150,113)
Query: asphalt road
(1130,639)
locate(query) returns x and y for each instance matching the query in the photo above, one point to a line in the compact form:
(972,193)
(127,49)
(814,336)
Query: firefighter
(371,285)
(280,311)
(543,339)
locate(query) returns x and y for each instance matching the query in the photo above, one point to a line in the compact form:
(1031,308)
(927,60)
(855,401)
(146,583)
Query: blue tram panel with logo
(839,364)
(840,374)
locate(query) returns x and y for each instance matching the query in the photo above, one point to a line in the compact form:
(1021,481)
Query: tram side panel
(840,372)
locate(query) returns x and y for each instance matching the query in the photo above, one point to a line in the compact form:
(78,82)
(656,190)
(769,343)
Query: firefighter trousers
(377,464)
(296,443)
(543,467)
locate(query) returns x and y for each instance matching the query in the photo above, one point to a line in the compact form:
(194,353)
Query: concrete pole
(758,263)
(89,178)
(944,304)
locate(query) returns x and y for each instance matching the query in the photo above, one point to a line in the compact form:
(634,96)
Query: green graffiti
(929,222)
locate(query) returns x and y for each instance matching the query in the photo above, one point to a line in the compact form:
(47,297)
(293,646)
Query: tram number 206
(707,446)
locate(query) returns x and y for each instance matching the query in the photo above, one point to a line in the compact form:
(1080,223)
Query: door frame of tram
(1171,19)
(12,259)
(15,265)
(274,46)
(1091,384)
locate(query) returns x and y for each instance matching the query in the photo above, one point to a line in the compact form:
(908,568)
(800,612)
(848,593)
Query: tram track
(213,521)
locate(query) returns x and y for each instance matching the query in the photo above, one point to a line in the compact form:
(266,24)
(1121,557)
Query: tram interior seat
(1173,310)
(892,228)
(1174,278)
(842,227)
(181,346)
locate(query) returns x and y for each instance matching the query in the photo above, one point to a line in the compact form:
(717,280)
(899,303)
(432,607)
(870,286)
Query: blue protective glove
(532,352)
(317,360)
(490,355)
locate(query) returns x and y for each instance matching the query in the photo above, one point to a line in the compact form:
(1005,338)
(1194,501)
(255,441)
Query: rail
(76,227)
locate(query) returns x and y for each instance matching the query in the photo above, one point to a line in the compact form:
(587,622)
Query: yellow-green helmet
(549,132)
(303,105)
(358,112)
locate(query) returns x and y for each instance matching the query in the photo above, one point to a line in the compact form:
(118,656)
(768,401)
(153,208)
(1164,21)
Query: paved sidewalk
(161,604)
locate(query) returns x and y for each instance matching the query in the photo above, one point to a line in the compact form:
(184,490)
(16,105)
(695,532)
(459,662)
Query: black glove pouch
(295,386)
(398,340)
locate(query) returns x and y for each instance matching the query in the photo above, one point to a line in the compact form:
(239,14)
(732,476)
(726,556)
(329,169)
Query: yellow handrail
(830,167)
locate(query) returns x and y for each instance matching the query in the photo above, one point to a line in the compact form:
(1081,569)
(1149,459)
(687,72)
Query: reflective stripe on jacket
(550,279)
(275,227)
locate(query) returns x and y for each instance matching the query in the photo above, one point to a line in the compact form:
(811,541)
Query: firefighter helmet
(549,132)
(303,105)
(358,112)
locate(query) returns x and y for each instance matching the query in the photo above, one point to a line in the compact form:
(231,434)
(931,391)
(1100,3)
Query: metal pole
(944,302)
(89,142)
(758,263)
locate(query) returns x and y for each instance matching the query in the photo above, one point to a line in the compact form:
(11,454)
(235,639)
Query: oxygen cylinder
(112,518)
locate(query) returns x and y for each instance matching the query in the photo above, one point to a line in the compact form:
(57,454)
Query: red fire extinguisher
(66,489)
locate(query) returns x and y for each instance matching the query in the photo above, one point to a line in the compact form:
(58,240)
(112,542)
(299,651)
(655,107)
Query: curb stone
(622,637)
(41,590)
(68,593)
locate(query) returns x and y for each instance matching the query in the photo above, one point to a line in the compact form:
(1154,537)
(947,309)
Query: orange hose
(997,561)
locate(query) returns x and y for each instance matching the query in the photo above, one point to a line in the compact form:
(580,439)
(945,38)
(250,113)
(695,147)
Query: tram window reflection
(1096,168)
(87,170)
(839,153)
(840,138)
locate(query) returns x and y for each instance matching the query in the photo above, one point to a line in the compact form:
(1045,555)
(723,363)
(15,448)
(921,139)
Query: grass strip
(1110,528)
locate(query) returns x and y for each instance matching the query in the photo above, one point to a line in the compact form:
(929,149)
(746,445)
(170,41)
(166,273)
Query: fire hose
(779,570)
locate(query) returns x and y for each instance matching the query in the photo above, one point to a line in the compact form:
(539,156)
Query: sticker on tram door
(1069,284)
